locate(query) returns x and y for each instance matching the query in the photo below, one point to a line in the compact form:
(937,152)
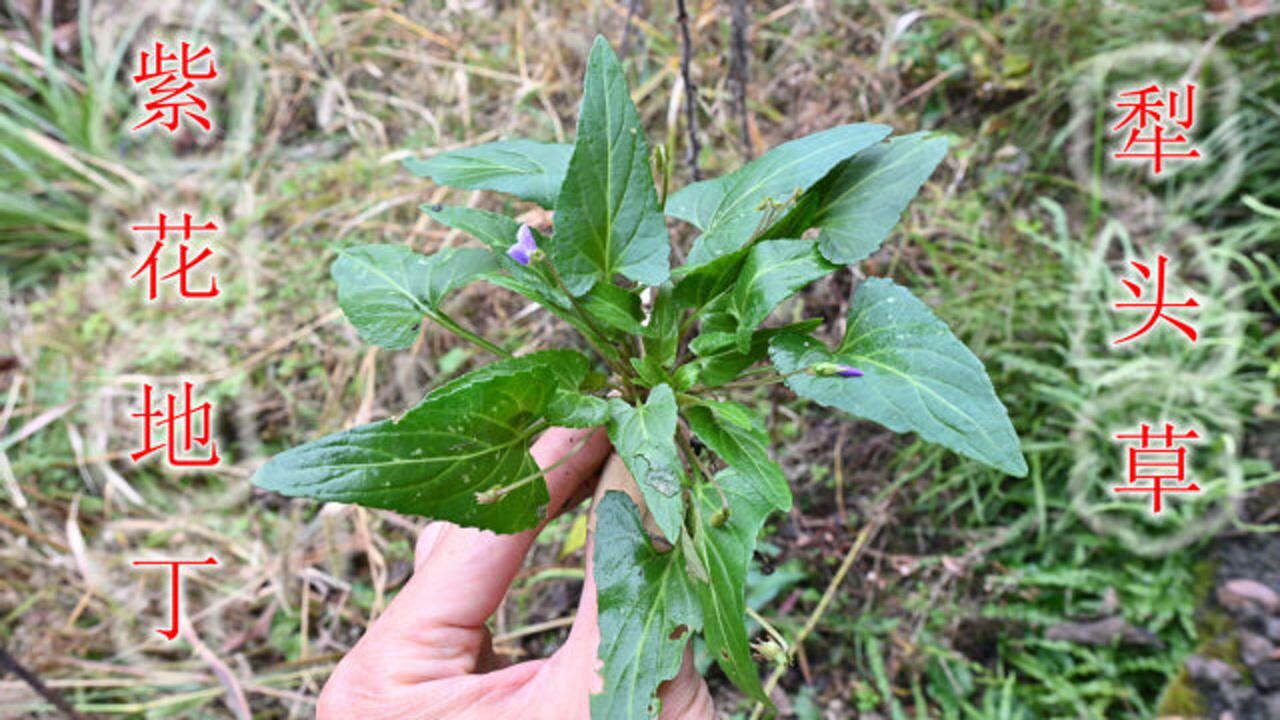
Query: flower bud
(490,496)
(828,369)
(720,517)
(771,651)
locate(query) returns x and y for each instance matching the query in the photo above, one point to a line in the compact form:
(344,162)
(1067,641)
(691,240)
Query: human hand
(430,656)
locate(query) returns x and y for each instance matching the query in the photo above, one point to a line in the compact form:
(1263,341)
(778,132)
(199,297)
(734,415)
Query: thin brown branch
(690,90)
(625,46)
(11,664)
(739,70)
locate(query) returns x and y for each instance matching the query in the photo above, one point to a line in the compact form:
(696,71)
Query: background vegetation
(923,585)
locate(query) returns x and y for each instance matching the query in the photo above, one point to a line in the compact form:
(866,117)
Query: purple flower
(849,371)
(828,369)
(525,246)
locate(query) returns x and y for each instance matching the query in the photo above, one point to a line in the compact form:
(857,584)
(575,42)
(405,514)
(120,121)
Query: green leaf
(569,368)
(614,307)
(774,271)
(385,290)
(570,408)
(527,169)
(739,438)
(776,175)
(650,372)
(720,367)
(685,377)
(498,232)
(725,552)
(662,336)
(648,612)
(470,436)
(696,286)
(644,437)
(717,329)
(607,217)
(862,198)
(919,377)
(537,294)
(697,203)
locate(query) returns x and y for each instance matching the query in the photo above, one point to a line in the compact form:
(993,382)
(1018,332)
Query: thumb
(435,626)
(685,696)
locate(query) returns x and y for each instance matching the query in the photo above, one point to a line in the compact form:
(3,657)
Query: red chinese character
(171,419)
(172,80)
(185,263)
(1157,306)
(1151,112)
(1157,464)
(171,632)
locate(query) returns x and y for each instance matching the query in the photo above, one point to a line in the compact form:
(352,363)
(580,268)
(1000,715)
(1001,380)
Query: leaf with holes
(644,436)
(461,455)
(648,611)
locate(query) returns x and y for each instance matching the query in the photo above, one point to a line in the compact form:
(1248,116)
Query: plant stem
(586,318)
(686,446)
(596,342)
(854,552)
(687,324)
(496,494)
(768,628)
(10,663)
(664,172)
(452,326)
(758,382)
(666,183)
(626,30)
(746,384)
(764,370)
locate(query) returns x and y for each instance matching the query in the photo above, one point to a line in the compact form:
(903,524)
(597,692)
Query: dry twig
(691,91)
(739,69)
(872,527)
(10,663)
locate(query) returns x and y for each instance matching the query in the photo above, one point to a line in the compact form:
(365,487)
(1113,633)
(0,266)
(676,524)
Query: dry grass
(316,107)
(319,103)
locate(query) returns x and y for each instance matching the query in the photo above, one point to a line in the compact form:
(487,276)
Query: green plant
(60,166)
(669,369)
